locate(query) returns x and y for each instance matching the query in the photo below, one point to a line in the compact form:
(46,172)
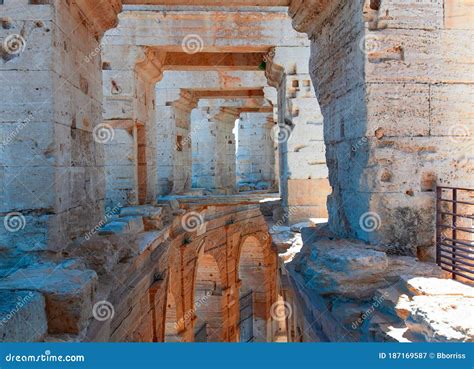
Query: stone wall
(302,167)
(393,88)
(143,285)
(255,151)
(52,168)
(213,144)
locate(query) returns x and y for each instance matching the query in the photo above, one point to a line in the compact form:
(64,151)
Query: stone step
(123,225)
(22,316)
(386,328)
(68,293)
(146,211)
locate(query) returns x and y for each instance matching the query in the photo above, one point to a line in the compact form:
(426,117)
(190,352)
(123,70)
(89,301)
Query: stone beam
(255,102)
(212,61)
(231,3)
(193,31)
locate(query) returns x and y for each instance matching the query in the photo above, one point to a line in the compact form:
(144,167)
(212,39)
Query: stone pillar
(303,172)
(129,78)
(396,95)
(213,143)
(173,119)
(255,151)
(51,177)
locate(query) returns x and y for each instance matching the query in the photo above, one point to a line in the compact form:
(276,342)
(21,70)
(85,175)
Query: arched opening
(171,320)
(255,153)
(253,292)
(208,301)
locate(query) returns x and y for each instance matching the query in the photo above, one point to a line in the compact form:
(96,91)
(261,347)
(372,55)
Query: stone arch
(255,292)
(208,302)
(172,323)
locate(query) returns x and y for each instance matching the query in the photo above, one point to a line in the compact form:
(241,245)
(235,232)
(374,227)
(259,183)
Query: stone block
(22,316)
(68,294)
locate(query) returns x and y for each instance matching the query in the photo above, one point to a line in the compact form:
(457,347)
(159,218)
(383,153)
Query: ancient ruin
(238,171)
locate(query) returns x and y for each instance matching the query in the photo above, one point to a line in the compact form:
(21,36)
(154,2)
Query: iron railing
(455,231)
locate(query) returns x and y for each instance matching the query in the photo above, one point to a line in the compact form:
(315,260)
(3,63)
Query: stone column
(303,172)
(129,77)
(396,95)
(173,119)
(214,149)
(255,151)
(51,177)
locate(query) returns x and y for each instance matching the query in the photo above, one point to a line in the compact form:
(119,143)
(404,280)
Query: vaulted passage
(239,171)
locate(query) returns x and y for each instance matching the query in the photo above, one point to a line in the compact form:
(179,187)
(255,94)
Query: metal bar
(457,260)
(452,254)
(438,220)
(459,250)
(459,215)
(457,267)
(461,229)
(454,231)
(455,188)
(461,242)
(458,201)
(458,273)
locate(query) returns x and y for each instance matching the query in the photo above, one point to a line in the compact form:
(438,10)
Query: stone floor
(352,291)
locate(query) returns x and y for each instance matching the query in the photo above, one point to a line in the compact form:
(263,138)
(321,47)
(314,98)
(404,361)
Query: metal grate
(455,231)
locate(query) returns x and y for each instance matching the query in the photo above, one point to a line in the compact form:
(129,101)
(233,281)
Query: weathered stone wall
(117,287)
(394,93)
(129,78)
(213,150)
(302,167)
(255,151)
(52,168)
(175,101)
